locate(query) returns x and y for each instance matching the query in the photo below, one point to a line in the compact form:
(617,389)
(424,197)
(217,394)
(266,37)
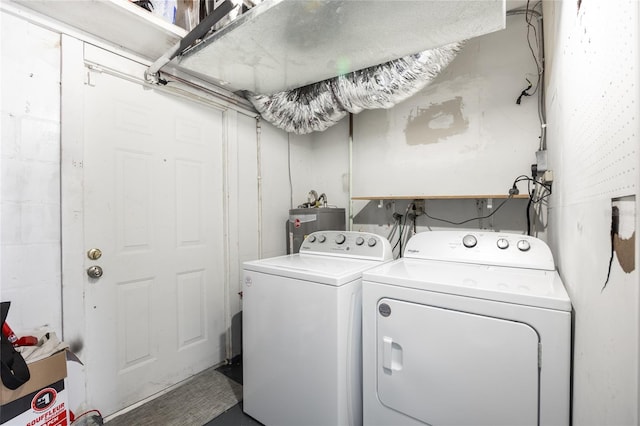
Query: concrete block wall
(30,175)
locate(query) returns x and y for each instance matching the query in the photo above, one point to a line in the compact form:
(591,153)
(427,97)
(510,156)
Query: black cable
(400,238)
(531,192)
(615,225)
(472,219)
(530,13)
(401,224)
(398,218)
(529,216)
(527,17)
(513,191)
(524,92)
(402,230)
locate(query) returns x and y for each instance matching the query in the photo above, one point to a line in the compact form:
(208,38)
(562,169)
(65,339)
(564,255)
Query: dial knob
(322,239)
(523,245)
(502,243)
(340,239)
(371,242)
(312,238)
(469,241)
(359,241)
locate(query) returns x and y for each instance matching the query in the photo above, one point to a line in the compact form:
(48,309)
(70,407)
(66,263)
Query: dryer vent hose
(319,106)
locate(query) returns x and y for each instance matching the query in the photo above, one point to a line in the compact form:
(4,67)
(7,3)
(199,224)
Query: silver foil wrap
(319,106)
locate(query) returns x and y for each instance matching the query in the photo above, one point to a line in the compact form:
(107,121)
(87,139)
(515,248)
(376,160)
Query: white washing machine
(302,330)
(467,329)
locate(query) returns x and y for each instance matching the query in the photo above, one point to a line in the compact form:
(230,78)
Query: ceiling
(284,44)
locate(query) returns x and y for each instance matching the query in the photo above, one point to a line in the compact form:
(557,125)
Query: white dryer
(302,330)
(467,329)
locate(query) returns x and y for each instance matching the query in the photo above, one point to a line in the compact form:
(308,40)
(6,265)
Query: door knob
(94,271)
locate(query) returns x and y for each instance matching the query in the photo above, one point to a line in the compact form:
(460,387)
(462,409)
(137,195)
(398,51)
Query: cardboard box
(42,401)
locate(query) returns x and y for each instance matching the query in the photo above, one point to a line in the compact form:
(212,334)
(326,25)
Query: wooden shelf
(440,197)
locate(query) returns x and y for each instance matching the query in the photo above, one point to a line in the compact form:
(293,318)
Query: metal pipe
(350,212)
(259,174)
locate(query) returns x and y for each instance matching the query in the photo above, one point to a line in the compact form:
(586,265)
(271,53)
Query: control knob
(523,245)
(502,243)
(359,241)
(372,242)
(322,239)
(340,239)
(312,238)
(469,241)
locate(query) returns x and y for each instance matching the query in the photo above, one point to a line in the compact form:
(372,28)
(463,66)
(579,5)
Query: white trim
(185,85)
(59,27)
(71,194)
(230,215)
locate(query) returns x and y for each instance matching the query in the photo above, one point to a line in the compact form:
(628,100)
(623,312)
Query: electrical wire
(401,221)
(75,418)
(532,192)
(530,27)
(472,219)
(289,167)
(538,58)
(537,195)
(392,232)
(534,199)
(529,216)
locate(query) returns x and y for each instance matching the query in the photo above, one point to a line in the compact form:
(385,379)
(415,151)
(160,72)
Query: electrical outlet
(419,205)
(547,176)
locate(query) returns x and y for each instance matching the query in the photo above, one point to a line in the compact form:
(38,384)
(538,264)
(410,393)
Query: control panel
(361,245)
(487,248)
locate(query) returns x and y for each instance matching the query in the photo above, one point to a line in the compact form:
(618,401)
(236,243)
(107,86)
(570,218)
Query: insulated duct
(319,106)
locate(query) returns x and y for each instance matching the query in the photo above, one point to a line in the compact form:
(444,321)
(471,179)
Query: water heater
(303,221)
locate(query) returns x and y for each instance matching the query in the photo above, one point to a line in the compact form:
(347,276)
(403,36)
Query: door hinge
(539,355)
(92,75)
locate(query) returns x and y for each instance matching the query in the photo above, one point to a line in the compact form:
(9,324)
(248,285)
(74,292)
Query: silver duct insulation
(319,106)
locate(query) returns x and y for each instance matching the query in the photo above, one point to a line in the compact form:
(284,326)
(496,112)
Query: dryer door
(446,367)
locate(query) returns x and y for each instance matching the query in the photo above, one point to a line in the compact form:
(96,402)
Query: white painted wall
(481,151)
(30,196)
(587,52)
(30,180)
(462,134)
(593,118)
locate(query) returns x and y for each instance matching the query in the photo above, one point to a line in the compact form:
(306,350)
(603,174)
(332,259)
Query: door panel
(446,367)
(153,205)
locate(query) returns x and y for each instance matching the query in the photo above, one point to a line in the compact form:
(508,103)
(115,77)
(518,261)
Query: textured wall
(463,133)
(593,99)
(30,179)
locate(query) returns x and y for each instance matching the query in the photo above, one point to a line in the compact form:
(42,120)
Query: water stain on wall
(436,122)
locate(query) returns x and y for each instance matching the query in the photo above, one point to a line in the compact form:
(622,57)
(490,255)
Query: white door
(153,205)
(446,367)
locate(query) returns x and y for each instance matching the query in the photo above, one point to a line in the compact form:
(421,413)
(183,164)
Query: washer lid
(328,270)
(531,287)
